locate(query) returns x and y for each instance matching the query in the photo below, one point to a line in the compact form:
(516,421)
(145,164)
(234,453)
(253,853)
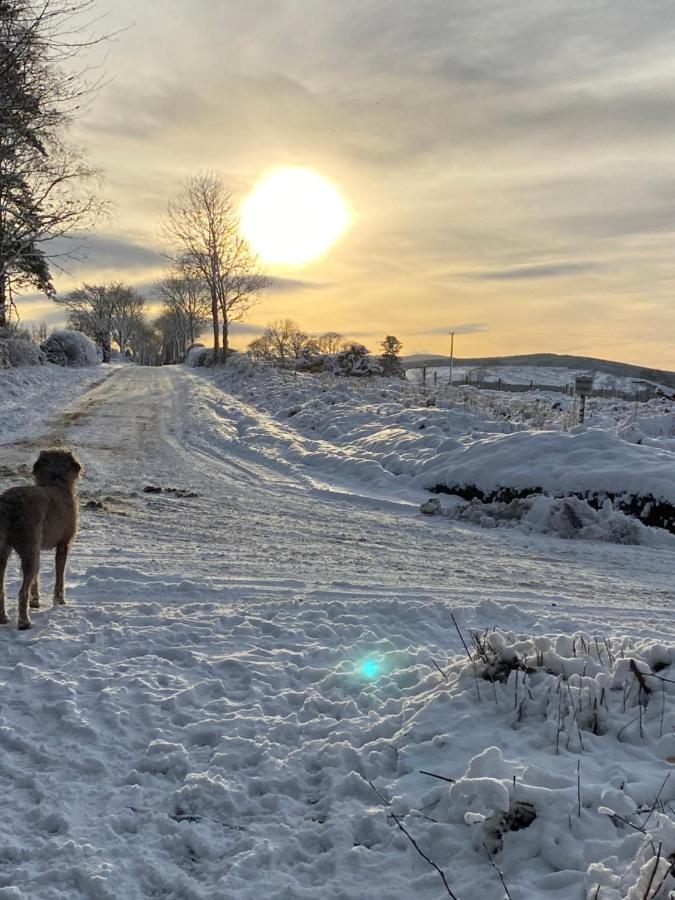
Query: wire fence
(641,392)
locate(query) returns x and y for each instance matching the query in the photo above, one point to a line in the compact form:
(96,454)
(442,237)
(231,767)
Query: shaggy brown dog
(40,517)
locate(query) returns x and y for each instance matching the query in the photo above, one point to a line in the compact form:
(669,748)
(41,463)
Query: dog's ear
(40,465)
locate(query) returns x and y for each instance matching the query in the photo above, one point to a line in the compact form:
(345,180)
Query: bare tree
(90,310)
(282,340)
(299,343)
(283,337)
(147,342)
(202,225)
(105,312)
(171,325)
(43,180)
(38,332)
(330,342)
(128,307)
(261,347)
(189,295)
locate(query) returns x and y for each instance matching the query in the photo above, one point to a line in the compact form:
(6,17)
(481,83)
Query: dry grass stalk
(415,844)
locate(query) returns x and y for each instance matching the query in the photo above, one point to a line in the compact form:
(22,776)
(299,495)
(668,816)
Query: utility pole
(452,355)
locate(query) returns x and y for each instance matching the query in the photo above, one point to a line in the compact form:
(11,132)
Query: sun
(293,216)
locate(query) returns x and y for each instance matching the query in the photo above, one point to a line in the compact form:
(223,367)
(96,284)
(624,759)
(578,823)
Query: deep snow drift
(258,676)
(389,436)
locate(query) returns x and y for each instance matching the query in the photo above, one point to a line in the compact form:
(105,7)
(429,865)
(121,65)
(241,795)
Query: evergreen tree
(390,359)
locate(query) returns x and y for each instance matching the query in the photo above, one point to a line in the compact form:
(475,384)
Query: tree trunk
(226,338)
(3,300)
(105,347)
(216,328)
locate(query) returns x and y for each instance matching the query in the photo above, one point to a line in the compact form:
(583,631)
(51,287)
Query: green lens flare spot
(370,668)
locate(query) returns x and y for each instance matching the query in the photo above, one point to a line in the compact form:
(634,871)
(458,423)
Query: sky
(509,167)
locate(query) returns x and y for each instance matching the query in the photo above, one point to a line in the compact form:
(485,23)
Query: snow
(196,356)
(586,460)
(71,348)
(383,436)
(559,376)
(30,395)
(259,664)
(566,517)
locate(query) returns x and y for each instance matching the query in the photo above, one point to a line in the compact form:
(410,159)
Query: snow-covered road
(195,724)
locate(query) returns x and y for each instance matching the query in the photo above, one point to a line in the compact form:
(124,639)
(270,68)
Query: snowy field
(259,687)
(548,375)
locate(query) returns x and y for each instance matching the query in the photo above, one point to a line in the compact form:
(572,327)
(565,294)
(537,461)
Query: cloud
(279,285)
(469,328)
(102,251)
(246,328)
(546,270)
(512,143)
(140,112)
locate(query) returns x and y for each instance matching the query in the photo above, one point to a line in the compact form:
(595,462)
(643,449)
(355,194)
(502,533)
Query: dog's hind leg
(61,557)
(4,556)
(30,566)
(35,593)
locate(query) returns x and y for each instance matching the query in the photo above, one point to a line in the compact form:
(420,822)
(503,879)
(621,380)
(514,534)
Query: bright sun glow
(370,668)
(293,216)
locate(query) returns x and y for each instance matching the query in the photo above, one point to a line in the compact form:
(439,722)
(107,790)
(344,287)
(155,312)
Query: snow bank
(30,396)
(390,435)
(589,461)
(564,517)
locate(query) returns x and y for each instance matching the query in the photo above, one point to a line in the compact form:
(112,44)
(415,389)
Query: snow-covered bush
(570,774)
(196,356)
(354,361)
(241,366)
(205,356)
(71,348)
(18,349)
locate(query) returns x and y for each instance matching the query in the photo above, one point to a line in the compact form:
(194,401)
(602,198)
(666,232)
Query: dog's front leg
(61,557)
(35,593)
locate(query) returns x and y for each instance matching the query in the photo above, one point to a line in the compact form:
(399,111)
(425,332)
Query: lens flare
(370,668)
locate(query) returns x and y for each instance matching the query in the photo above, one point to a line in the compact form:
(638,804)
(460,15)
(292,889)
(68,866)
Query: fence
(641,391)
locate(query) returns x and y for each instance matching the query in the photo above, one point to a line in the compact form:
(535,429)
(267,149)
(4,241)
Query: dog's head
(56,466)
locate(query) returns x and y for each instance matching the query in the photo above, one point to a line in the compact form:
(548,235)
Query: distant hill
(547,360)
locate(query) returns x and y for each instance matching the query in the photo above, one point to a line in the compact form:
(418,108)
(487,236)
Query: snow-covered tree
(354,361)
(43,180)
